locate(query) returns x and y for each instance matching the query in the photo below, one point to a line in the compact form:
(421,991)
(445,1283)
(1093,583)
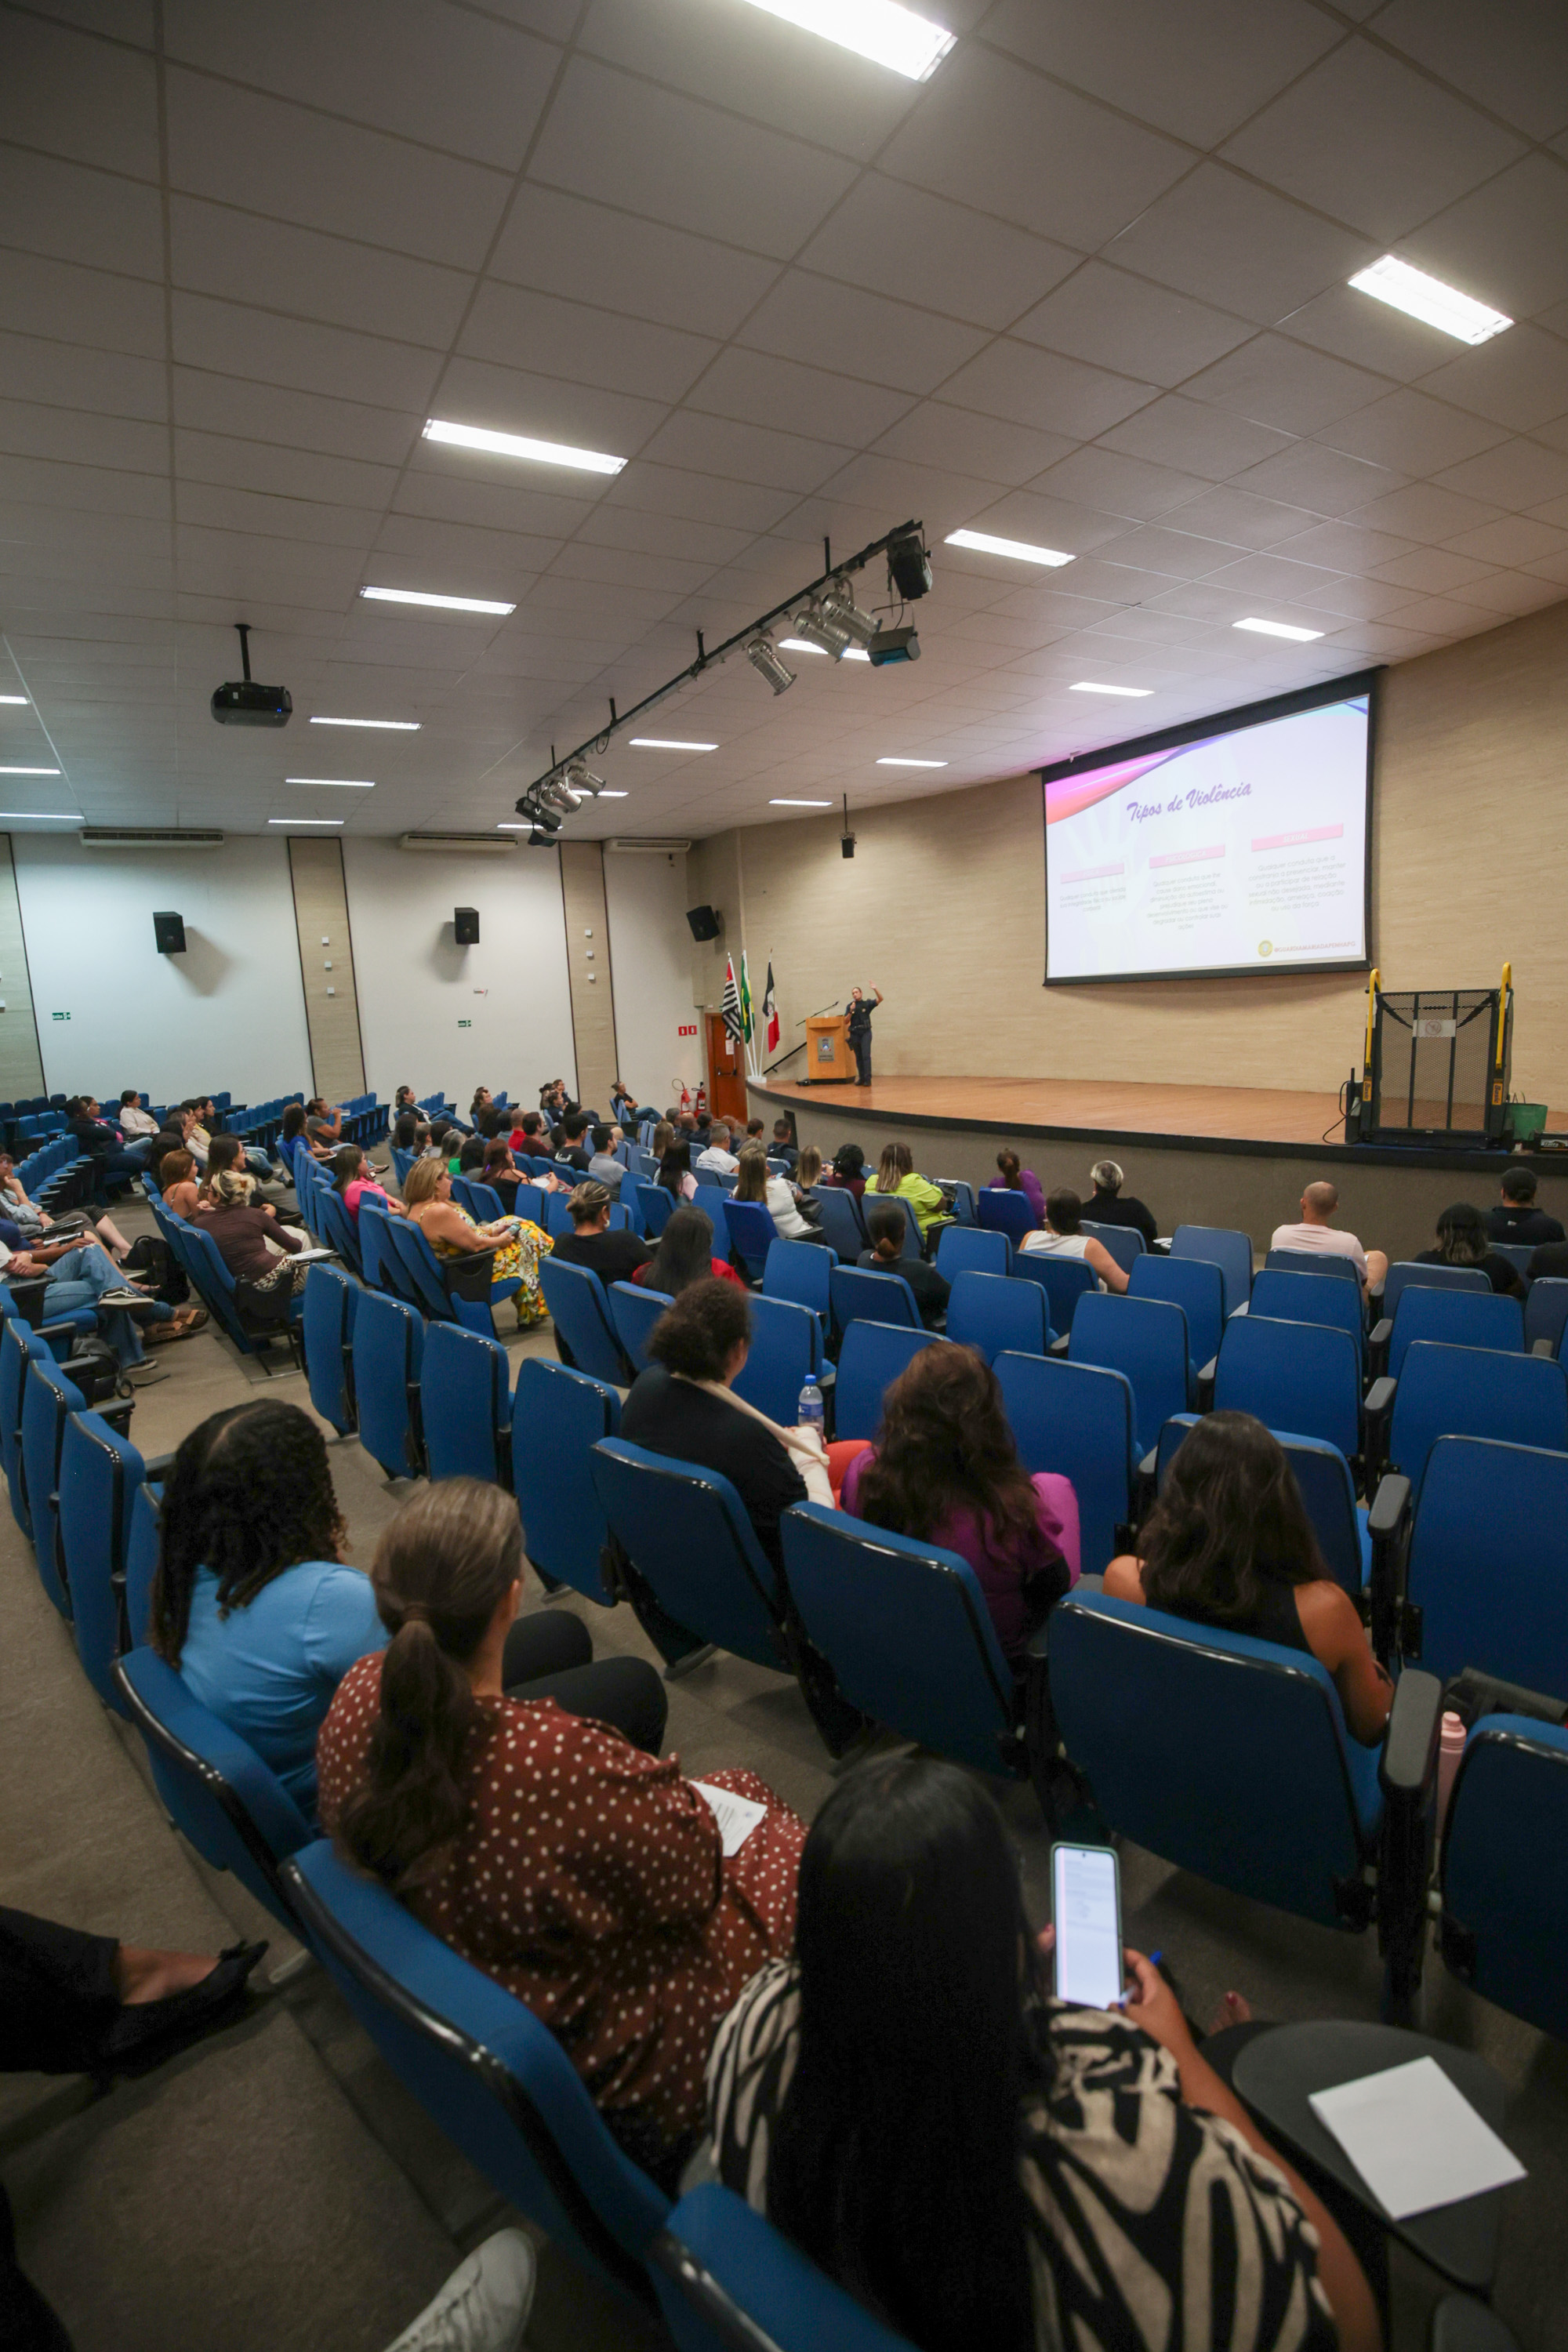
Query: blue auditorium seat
(1077,1420)
(558,1416)
(990,1313)
(326,1329)
(1193,1284)
(861,1293)
(464,1399)
(964,1249)
(872,1357)
(580,1308)
(1064,1280)
(729,2281)
(1219,1245)
(1504,1921)
(1146,1338)
(388,1348)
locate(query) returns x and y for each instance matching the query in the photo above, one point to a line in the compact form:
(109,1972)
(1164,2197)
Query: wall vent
(487,844)
(646,848)
(111,837)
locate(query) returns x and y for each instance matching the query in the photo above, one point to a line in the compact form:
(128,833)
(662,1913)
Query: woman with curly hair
(944,1469)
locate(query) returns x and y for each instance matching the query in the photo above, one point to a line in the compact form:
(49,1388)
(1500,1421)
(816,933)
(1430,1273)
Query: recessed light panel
(29,772)
(393,725)
(15,697)
(879,30)
(304,820)
(984,543)
(800,803)
(518,445)
(1087,686)
(665,743)
(1427,299)
(335,783)
(1279,629)
(911,763)
(441,603)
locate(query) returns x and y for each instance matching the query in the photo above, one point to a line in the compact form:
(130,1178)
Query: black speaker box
(169,931)
(466,925)
(704,922)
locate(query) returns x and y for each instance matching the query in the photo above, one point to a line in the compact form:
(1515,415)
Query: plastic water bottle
(813,1412)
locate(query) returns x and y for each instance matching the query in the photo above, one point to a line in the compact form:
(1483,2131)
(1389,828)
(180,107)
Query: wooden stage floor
(1212,1114)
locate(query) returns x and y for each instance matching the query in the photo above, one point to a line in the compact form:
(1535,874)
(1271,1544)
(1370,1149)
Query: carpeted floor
(275,2190)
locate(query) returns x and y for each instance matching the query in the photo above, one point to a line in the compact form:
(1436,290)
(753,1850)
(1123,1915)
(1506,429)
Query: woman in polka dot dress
(586,1877)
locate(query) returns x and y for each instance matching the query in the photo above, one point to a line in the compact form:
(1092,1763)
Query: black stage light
(846,845)
(894,646)
(909,568)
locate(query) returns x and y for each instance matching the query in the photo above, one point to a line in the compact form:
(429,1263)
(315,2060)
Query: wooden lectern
(828,1060)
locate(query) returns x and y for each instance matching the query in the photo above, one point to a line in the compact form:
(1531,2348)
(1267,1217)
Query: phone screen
(1086,1909)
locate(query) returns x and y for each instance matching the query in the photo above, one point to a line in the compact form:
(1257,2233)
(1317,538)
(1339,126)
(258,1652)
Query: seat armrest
(1205,1379)
(1060,1344)
(156,1467)
(1408,1771)
(1408,1764)
(1377,1340)
(1541,1348)
(1245,1308)
(1388,1525)
(52,1332)
(1389,1506)
(1377,1406)
(1149,1466)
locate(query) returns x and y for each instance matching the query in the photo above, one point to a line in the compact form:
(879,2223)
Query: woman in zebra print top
(977,2162)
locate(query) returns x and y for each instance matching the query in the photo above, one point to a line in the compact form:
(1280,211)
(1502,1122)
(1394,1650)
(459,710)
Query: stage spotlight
(837,605)
(764,661)
(894,646)
(557,795)
(816,626)
(909,568)
(540,839)
(581,779)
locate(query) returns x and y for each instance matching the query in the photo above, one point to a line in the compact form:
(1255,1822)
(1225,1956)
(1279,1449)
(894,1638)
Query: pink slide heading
(1094,874)
(1186,856)
(1295,840)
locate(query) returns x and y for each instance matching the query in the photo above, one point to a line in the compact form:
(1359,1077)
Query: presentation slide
(1243,849)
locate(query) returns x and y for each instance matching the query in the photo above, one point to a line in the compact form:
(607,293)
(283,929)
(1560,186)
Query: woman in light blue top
(251,1602)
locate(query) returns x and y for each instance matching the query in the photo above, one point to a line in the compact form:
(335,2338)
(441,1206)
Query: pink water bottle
(1450,1747)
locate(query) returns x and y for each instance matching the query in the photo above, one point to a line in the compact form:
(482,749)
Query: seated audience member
(717,1157)
(77,2004)
(501,1173)
(170,1137)
(604,1167)
(571,1149)
(581,1873)
(353,1179)
(626,1111)
(324,1124)
(1515,1217)
(663,1136)
(293,1137)
(755,1130)
(254,1606)
(81,1274)
(1108,1204)
(445,1144)
(132,1119)
(1319,1202)
(1061,1237)
(452,1232)
(755,1182)
(31,1222)
(1462,1241)
(783,1146)
(848,1173)
(906,2099)
(614,1257)
(492,1123)
(203,1135)
(1229,1543)
(481,1104)
(470,1155)
(675,1171)
(182,1194)
(103,1144)
(685,1256)
(896,1174)
(945,1470)
(887,1224)
(685,1405)
(404,1101)
(247,1236)
(1012,1176)
(532,1138)
(807,1168)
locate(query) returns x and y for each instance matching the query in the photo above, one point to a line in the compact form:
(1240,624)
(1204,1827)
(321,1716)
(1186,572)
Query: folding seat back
(990,1313)
(388,1348)
(998,1211)
(1408,1273)
(46,1398)
(338,1231)
(712,1199)
(1517,1254)
(1546,1312)
(1328,1496)
(1504,1921)
(1488,1564)
(463,1193)
(557,1216)
(966,1249)
(465,1401)
(963,1200)
(402,1161)
(19,1345)
(484,2068)
(327,1324)
(859,1292)
(635,1307)
(1458,1318)
(842,1222)
(1077,1420)
(1331,1262)
(752,1234)
(1302,1376)
(905,1628)
(558,1416)
(101,1471)
(785,1352)
(531,1202)
(872,1357)
(213,1786)
(143,1548)
(421,1282)
(485,1204)
(580,1308)
(376,1262)
(1124,1242)
(657,1207)
(1193,1284)
(799,1271)
(1223,1754)
(1146,1338)
(1219,1245)
(727,2279)
(1474,1392)
(686,1533)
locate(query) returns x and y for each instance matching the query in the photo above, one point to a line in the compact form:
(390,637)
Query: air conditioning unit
(489,844)
(111,836)
(648,848)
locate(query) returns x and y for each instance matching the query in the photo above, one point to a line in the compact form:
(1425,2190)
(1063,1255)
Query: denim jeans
(79,1279)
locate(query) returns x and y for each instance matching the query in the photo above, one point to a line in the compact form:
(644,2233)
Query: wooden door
(726,1072)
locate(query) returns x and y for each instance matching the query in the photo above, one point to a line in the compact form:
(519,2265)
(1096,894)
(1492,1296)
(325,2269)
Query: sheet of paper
(1415,2139)
(737,1816)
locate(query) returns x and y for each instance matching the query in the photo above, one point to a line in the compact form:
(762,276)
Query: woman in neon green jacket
(896,1174)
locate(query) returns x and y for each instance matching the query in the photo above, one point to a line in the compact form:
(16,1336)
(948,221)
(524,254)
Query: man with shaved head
(1319,1202)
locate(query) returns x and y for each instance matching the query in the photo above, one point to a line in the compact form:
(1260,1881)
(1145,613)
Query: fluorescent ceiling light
(799,645)
(511,825)
(1087,686)
(14,697)
(335,783)
(1279,629)
(984,543)
(442,604)
(854,653)
(606,794)
(911,763)
(666,743)
(518,445)
(43,816)
(304,820)
(395,726)
(800,803)
(879,30)
(29,772)
(1427,299)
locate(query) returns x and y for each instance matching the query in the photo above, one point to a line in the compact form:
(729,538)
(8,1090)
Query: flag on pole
(729,1004)
(770,1010)
(747,1024)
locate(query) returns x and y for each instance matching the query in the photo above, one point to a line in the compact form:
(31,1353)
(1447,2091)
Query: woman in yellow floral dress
(452,1232)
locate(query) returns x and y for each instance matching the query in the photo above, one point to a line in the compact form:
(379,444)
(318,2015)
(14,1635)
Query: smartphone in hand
(1086,1906)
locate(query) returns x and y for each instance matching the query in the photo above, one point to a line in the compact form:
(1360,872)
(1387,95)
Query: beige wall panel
(944,906)
(322,914)
(21,1064)
(588,969)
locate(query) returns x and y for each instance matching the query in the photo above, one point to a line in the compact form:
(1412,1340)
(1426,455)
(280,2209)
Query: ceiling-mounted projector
(243,703)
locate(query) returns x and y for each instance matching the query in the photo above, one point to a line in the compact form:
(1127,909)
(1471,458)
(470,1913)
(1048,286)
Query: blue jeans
(79,1279)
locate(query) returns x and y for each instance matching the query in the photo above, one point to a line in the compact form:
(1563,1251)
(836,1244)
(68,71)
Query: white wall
(415,985)
(650,956)
(229,1013)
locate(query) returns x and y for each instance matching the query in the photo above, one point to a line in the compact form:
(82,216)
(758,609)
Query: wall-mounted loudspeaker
(169,931)
(466,925)
(704,921)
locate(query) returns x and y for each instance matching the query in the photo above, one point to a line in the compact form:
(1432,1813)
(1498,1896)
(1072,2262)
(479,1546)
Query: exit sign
(464,1025)
(59,1016)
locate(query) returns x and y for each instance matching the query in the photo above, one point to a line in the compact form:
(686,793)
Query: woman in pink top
(355,1178)
(945,1470)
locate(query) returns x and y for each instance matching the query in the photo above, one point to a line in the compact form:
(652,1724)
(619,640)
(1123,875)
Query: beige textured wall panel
(331,998)
(943,905)
(588,969)
(21,1064)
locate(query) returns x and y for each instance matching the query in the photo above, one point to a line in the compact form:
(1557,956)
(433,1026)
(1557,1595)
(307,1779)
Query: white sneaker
(484,2305)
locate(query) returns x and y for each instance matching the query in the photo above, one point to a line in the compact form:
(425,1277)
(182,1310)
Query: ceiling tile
(217,250)
(1512,57)
(625,142)
(750,388)
(68,375)
(1342,547)
(1240,517)
(88,488)
(1515,539)
(1003,139)
(508,399)
(1369,333)
(43,297)
(1174,554)
(1044,522)
(1372,142)
(86,99)
(1420,511)
(1520,378)
(1118,484)
(520,329)
(1433,571)
(961,440)
(1276,381)
(942,501)
(1239,245)
(745,453)
(31,429)
(237,341)
(1436,615)
(1518,474)
(646,488)
(1117,321)
(1037,388)
(1177,432)
(564,245)
(221,507)
(481,500)
(1275,577)
(1195,73)
(1410,432)
(301,420)
(1506,244)
(1356,599)
(284,473)
(834,326)
(76,215)
(903,241)
(1307,475)
(664,535)
(1510,593)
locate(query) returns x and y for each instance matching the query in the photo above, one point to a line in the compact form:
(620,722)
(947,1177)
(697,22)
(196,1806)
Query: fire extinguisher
(685,1097)
(701,1100)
